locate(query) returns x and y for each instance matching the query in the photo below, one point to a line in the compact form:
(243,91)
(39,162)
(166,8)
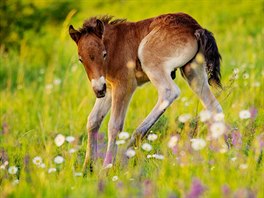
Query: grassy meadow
(45,92)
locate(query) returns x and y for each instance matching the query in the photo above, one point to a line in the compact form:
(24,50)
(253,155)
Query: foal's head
(92,53)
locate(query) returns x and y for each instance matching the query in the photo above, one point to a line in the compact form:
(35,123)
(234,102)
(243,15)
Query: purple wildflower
(253,112)
(236,138)
(226,191)
(197,189)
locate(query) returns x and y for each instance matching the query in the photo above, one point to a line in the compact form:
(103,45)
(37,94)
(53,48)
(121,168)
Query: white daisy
(146,147)
(70,139)
(42,165)
(115,178)
(243,166)
(123,135)
(12,170)
(57,81)
(219,117)
(184,118)
(58,160)
(152,137)
(52,170)
(78,174)
(244,114)
(37,160)
(72,150)
(108,166)
(173,141)
(130,153)
(158,156)
(59,140)
(205,115)
(118,142)
(217,129)
(198,143)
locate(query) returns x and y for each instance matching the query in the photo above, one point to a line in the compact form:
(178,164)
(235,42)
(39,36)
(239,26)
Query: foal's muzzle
(100,93)
(99,87)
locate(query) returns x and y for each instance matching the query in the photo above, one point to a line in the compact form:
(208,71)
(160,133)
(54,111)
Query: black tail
(211,54)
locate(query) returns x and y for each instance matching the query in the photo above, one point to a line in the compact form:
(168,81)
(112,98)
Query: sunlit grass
(45,92)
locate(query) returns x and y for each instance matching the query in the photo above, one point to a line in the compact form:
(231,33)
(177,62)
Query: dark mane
(89,24)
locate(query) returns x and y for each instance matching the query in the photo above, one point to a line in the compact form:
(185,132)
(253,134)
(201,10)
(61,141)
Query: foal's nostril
(104,87)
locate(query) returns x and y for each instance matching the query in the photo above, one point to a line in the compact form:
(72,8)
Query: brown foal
(118,56)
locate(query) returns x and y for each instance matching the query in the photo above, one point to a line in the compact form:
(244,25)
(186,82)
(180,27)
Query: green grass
(32,113)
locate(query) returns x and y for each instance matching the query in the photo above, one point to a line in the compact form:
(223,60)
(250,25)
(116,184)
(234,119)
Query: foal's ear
(75,35)
(99,28)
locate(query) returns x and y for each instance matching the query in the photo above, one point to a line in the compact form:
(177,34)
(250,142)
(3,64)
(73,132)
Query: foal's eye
(91,57)
(80,60)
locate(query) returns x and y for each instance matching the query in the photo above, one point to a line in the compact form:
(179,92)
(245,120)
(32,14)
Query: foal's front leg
(100,109)
(121,97)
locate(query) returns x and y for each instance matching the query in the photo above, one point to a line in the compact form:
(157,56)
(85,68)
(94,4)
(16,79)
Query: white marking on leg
(98,84)
(164,105)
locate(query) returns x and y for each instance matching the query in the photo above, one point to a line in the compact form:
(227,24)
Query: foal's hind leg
(168,91)
(196,77)
(100,109)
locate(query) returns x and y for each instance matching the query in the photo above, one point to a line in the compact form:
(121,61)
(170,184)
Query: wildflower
(243,166)
(219,117)
(152,137)
(58,160)
(146,147)
(149,156)
(184,118)
(123,135)
(198,143)
(233,159)
(173,141)
(118,142)
(158,156)
(12,170)
(260,139)
(3,166)
(15,182)
(78,174)
(244,114)
(197,189)
(57,81)
(205,115)
(59,140)
(130,153)
(70,139)
(42,165)
(37,160)
(236,138)
(245,75)
(48,87)
(217,129)
(236,71)
(256,84)
(115,178)
(52,170)
(72,150)
(108,166)
(223,149)
(184,99)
